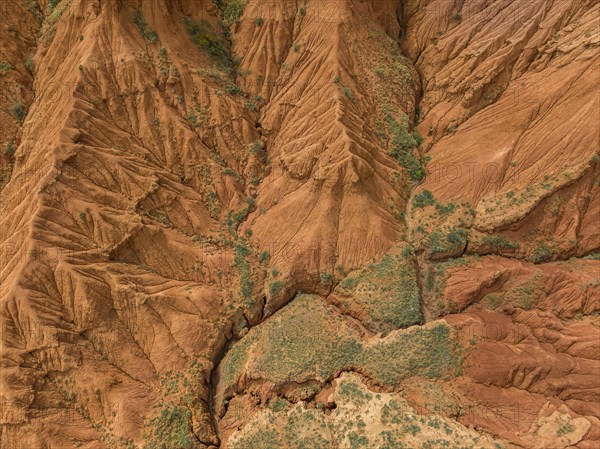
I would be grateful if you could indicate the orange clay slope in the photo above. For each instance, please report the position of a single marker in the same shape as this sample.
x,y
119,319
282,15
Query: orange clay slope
x,y
291,224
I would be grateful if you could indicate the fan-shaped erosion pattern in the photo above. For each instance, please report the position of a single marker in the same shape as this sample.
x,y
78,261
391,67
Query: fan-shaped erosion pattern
x,y
299,223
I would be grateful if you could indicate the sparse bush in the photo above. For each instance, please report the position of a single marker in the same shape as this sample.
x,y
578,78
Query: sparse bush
x,y
250,104
347,92
454,240
149,34
542,253
49,25
275,288
565,429
240,259
497,242
18,110
163,60
403,144
233,12
256,147
425,198
9,149
171,429
4,67
326,277
457,17
259,22
208,39
264,257
29,63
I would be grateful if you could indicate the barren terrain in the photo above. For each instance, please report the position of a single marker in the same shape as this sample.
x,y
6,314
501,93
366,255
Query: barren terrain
x,y
246,224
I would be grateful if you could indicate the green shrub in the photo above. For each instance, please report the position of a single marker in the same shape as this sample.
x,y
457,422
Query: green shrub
x,y
259,22
256,147
18,110
49,25
171,429
347,92
425,198
565,429
210,40
264,257
149,34
233,12
457,17
9,149
403,145
275,288
497,242
4,67
240,259
163,60
454,240
542,253
326,277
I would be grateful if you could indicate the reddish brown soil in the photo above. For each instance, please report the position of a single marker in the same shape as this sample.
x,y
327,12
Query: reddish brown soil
x,y
162,197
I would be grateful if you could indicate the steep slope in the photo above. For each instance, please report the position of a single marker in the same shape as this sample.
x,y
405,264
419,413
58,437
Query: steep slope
x,y
323,126
513,85
247,224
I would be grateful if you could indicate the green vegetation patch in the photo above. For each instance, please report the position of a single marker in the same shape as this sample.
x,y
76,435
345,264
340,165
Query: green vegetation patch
x,y
240,259
541,253
233,11
149,34
211,40
49,25
447,241
387,291
361,420
170,429
498,242
4,67
18,110
296,428
307,340
403,145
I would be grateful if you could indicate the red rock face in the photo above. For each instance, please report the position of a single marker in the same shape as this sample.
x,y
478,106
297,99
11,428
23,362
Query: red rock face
x,y
174,175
